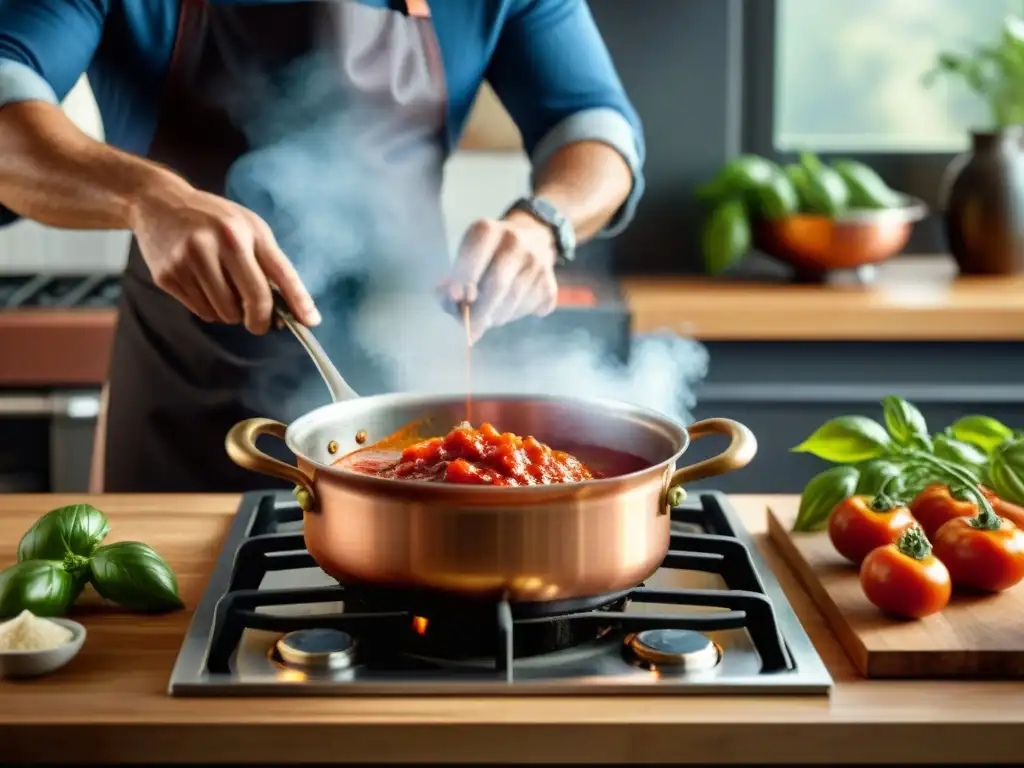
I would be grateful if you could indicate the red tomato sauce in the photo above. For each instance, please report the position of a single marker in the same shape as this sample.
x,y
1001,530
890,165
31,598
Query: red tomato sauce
x,y
481,456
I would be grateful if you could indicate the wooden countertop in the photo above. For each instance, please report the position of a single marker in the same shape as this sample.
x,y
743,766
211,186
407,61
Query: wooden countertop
x,y
110,704
914,299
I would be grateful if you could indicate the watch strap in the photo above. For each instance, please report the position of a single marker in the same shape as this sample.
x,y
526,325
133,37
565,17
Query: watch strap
x,y
561,227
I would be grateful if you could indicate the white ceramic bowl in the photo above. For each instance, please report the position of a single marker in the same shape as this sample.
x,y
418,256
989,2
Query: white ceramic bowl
x,y
36,663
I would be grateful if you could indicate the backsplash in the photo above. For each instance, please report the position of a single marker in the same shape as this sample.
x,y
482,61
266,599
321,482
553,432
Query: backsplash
x,y
477,184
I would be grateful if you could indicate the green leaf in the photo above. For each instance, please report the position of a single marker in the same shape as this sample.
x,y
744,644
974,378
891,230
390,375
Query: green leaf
x,y
133,575
822,493
982,431
1006,471
40,586
74,530
964,455
847,440
903,420
878,473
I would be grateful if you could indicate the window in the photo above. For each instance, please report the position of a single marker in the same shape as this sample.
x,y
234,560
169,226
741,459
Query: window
x,y
843,78
848,73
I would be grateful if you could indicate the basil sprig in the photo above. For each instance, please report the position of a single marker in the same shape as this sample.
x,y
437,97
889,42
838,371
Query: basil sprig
x,y
62,552
901,456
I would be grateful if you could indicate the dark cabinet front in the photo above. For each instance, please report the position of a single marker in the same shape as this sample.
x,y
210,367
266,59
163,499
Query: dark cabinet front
x,y
784,391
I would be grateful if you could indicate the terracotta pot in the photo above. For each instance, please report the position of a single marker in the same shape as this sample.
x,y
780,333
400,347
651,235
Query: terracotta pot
x,y
984,204
526,544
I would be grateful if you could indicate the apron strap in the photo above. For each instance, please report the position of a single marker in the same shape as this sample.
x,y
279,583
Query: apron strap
x,y
419,9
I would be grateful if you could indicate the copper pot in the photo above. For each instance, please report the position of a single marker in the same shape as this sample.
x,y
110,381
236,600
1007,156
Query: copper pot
x,y
524,544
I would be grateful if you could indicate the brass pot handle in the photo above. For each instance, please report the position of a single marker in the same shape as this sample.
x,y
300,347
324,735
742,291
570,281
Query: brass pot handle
x,y
741,451
240,444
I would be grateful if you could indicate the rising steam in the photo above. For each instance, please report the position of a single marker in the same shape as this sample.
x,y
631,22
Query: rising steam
x,y
344,191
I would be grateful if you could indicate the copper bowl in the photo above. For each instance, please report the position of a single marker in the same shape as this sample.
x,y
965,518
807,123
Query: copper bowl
x,y
854,239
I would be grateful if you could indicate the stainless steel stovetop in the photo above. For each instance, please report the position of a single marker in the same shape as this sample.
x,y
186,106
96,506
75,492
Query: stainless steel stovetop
x,y
713,619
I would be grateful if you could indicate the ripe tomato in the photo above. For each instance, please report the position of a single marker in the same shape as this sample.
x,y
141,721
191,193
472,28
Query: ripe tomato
x,y
905,579
935,506
987,560
1012,512
860,524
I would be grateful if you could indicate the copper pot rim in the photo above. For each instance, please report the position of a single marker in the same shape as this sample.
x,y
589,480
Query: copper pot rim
x,y
420,489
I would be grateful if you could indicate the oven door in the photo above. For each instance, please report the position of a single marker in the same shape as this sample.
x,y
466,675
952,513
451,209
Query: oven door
x,y
48,436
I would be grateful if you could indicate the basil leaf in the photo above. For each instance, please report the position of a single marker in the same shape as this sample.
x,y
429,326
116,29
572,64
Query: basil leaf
x,y
847,440
134,576
879,473
903,421
822,493
982,431
963,454
40,586
74,530
1006,471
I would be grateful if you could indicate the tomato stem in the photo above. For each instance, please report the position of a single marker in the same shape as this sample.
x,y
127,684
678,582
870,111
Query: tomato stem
x,y
986,519
883,502
914,543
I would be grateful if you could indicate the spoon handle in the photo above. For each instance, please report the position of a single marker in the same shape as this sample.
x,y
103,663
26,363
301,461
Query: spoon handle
x,y
339,388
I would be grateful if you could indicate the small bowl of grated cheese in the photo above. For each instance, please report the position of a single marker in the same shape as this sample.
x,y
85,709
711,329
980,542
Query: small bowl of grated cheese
x,y
31,646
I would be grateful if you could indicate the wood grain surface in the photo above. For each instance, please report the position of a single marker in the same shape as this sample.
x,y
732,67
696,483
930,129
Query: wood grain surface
x,y
110,704
915,299
975,636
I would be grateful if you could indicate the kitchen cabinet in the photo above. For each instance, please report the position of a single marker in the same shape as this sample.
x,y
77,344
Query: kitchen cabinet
x,y
784,391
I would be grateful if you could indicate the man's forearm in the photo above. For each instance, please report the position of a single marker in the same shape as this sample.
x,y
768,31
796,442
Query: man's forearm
x,y
588,182
53,173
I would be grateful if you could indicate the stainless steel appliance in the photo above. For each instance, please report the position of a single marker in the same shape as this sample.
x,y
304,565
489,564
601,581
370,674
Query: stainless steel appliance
x,y
713,619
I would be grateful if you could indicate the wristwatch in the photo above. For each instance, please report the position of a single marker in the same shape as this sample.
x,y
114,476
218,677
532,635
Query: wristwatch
x,y
561,227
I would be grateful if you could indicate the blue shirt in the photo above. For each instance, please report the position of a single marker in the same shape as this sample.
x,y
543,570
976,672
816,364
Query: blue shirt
x,y
544,58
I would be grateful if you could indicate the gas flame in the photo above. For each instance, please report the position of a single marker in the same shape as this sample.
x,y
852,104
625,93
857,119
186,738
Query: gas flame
x,y
419,625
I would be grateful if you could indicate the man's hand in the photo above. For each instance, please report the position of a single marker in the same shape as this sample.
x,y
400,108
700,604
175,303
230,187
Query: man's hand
x,y
217,258
505,270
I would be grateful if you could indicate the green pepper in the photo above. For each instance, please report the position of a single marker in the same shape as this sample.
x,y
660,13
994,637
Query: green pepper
x,y
739,176
777,198
867,188
726,237
824,191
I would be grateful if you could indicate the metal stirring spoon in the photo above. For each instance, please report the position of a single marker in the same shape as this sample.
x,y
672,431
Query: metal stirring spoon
x,y
339,388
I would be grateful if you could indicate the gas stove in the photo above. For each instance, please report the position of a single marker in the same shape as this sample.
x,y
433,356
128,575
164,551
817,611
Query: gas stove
x,y
713,619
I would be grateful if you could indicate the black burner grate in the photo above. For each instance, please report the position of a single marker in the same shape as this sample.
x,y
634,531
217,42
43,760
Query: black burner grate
x,y
390,614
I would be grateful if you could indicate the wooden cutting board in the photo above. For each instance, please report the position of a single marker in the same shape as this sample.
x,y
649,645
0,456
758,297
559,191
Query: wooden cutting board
x,y
975,636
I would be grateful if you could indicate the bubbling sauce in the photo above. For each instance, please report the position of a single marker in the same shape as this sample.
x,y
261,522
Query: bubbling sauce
x,y
483,456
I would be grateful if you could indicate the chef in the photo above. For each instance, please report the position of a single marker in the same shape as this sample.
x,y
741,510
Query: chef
x,y
211,107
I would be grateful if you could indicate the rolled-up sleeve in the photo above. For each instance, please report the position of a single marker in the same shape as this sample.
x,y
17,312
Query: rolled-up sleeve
x,y
45,46
552,71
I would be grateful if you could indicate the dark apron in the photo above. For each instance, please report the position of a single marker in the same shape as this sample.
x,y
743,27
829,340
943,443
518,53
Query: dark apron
x,y
327,119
